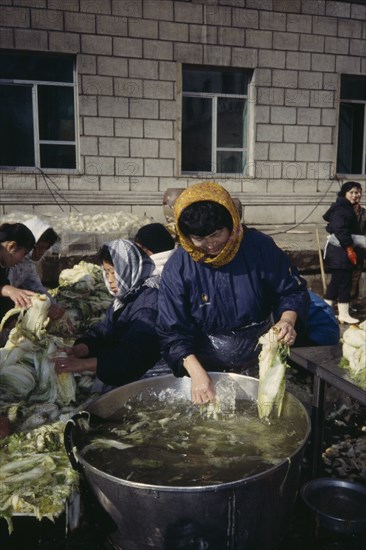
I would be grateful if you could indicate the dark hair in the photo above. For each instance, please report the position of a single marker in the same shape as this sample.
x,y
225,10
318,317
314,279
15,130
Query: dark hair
x,y
203,218
49,236
155,237
104,255
347,186
19,233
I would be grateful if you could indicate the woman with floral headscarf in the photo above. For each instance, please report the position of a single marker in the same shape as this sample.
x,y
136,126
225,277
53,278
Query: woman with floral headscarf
x,y
219,289
122,347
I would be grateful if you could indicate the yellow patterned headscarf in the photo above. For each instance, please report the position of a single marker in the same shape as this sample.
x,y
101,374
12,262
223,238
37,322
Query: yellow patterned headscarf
x,y
209,191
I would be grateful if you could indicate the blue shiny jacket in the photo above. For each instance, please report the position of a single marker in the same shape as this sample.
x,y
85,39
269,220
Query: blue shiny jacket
x,y
196,299
125,342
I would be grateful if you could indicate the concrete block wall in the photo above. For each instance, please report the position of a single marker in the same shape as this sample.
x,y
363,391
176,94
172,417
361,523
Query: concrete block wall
x,y
128,56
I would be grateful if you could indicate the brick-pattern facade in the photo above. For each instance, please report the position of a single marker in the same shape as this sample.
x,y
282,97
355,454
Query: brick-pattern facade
x,y
128,59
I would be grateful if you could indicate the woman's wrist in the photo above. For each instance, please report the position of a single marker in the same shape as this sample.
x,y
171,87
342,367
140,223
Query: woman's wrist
x,y
90,364
5,291
187,361
289,317
288,321
191,363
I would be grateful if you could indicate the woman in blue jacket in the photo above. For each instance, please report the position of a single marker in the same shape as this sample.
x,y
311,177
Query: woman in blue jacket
x,y
122,347
219,289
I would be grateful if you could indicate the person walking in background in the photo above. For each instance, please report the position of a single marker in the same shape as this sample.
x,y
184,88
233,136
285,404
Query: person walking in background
x,y
340,254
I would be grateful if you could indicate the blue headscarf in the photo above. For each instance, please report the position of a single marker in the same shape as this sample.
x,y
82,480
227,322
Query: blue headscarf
x,y
132,269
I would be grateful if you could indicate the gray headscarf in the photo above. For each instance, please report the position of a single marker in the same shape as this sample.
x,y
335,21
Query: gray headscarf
x,y
132,269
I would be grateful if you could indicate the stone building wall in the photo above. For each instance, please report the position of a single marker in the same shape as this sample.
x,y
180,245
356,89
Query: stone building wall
x,y
129,54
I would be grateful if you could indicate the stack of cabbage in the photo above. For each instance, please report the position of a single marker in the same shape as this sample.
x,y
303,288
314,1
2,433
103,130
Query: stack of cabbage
x,y
272,374
26,367
84,296
354,353
125,224
35,475
84,232
27,376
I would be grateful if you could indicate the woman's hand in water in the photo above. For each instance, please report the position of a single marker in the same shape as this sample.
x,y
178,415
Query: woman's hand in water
x,y
203,389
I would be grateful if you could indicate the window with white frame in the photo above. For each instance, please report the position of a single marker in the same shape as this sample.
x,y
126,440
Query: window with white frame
x,y
351,158
37,111
215,120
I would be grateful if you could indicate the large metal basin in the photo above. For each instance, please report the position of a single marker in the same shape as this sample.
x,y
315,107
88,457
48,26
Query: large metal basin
x,y
251,513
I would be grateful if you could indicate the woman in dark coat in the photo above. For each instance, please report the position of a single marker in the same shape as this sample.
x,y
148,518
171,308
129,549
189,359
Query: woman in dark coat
x,y
219,289
16,240
360,212
122,347
340,253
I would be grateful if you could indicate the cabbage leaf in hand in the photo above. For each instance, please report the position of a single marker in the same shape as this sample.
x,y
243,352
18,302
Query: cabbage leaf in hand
x,y
272,374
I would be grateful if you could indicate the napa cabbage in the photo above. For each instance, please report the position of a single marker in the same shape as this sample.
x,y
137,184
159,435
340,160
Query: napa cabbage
x,y
272,374
83,295
26,365
354,353
36,477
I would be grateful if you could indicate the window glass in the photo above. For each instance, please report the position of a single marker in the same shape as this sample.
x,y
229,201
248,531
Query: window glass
x,y
351,155
350,139
204,80
230,121
353,87
214,119
46,68
34,111
16,128
197,132
230,162
56,113
57,156
245,126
